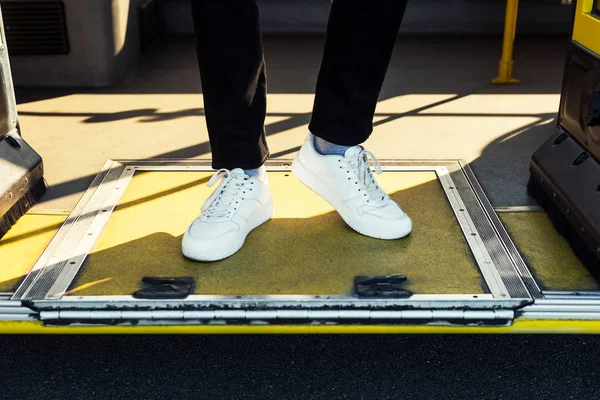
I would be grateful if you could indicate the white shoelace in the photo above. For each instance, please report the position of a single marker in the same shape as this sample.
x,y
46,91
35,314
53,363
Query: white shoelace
x,y
360,165
227,197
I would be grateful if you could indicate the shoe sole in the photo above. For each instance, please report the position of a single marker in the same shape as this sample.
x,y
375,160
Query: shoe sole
x,y
261,216
316,184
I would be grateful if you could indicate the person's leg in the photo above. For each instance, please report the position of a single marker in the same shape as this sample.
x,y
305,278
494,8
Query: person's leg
x,y
232,70
358,48
360,40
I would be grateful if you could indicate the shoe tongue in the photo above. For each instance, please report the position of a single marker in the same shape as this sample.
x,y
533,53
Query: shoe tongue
x,y
353,151
238,171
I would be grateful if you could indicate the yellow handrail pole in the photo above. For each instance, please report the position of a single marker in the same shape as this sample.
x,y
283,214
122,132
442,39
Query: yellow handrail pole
x,y
505,70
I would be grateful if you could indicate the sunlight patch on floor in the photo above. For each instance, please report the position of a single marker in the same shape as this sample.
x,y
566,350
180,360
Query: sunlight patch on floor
x,y
23,244
490,104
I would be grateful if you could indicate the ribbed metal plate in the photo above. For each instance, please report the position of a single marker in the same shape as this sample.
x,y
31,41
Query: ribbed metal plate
x,y
62,256
518,264
500,258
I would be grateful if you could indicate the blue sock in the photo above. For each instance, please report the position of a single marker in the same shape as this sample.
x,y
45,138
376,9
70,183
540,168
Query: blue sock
x,y
258,173
327,148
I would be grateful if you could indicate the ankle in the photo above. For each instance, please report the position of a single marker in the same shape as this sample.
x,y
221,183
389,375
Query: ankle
x,y
326,148
259,173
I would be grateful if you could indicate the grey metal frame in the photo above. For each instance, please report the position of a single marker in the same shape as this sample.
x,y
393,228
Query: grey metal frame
x,y
45,285
563,308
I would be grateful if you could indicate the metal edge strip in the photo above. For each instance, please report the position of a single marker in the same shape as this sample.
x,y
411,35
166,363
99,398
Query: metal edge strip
x,y
291,298
562,309
63,257
93,233
468,226
271,167
511,249
64,230
275,302
571,294
206,163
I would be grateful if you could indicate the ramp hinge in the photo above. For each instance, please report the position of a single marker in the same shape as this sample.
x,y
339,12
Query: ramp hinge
x,y
276,315
11,310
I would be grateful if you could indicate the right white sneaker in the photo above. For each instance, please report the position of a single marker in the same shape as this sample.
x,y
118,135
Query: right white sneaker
x,y
347,183
238,205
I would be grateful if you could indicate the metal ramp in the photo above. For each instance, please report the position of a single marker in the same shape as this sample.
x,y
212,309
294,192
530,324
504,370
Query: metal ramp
x,y
295,270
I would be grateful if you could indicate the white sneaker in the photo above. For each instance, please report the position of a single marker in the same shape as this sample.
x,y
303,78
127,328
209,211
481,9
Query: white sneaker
x,y
347,183
240,204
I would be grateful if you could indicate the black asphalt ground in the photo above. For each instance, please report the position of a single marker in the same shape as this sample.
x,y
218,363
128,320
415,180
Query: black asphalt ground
x,y
300,367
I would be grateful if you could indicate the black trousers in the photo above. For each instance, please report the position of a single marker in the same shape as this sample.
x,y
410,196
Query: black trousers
x,y
360,39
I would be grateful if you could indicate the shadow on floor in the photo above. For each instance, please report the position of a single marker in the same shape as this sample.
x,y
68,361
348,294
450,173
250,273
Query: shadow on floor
x,y
418,66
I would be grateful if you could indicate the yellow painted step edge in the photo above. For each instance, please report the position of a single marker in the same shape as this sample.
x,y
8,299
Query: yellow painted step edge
x,y
519,327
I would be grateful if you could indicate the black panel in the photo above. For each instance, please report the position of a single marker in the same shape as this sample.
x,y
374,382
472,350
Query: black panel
x,y
21,180
565,171
35,28
566,182
580,101
596,8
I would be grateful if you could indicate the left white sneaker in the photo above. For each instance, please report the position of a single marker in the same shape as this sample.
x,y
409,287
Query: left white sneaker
x,y
347,183
239,205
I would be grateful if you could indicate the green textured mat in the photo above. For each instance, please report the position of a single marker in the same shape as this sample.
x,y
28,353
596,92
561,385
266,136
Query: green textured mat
x,y
305,249
548,254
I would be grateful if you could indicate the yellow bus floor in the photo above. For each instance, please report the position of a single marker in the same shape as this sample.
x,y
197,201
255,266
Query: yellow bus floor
x,y
23,244
547,254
